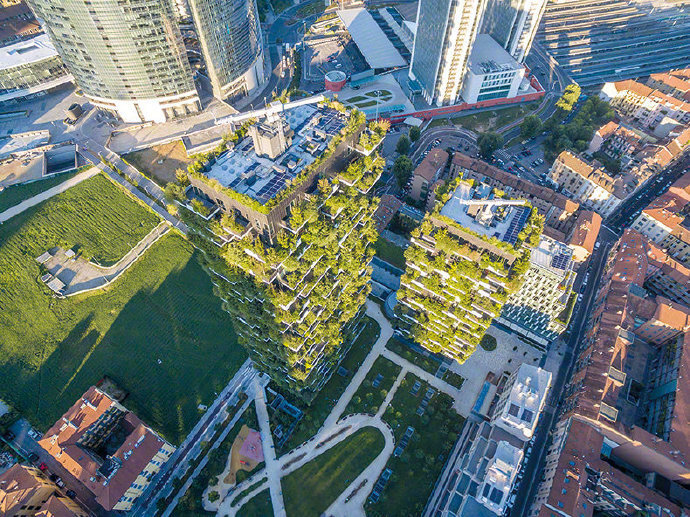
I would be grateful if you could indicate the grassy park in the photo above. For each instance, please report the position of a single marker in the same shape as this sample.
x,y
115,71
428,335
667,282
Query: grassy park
x,y
154,331
15,194
391,253
258,506
426,363
368,398
489,120
311,489
416,470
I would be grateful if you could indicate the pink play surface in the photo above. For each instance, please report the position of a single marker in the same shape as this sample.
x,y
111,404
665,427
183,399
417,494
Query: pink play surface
x,y
251,448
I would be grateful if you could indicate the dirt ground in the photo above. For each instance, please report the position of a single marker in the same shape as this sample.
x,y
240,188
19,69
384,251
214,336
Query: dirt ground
x,y
161,161
237,460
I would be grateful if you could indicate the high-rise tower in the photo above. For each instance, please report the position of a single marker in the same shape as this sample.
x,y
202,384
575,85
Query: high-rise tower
x,y
447,31
230,37
513,24
126,55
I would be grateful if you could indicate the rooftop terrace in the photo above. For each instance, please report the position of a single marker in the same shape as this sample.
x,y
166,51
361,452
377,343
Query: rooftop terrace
x,y
478,210
261,178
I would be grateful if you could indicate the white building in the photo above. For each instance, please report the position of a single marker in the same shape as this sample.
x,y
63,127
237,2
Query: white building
x,y
492,73
500,475
522,400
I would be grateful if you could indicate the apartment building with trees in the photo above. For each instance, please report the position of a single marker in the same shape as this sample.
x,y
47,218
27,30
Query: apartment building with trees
x,y
288,239
468,256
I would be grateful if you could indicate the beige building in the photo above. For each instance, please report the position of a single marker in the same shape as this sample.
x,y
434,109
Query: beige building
x,y
271,138
26,492
427,173
587,184
106,449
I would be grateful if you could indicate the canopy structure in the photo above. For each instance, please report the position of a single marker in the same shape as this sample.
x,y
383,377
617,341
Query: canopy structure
x,y
372,42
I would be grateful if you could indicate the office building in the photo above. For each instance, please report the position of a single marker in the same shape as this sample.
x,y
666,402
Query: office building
x,y
128,56
26,492
29,67
465,260
482,469
230,37
472,50
294,267
492,73
538,310
513,24
101,446
446,31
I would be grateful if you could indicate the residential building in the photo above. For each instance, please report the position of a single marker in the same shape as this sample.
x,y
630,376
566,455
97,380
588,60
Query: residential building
x,y
666,222
128,56
513,24
584,235
290,245
620,141
675,83
446,31
492,73
106,449
429,171
621,445
481,471
588,184
522,401
540,309
465,260
558,211
386,210
230,37
644,105
29,67
26,492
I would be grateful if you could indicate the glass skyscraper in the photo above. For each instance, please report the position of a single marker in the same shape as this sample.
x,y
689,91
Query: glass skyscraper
x,y
126,55
230,37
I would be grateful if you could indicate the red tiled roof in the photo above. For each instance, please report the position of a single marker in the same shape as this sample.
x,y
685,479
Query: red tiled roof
x,y
586,230
431,164
60,441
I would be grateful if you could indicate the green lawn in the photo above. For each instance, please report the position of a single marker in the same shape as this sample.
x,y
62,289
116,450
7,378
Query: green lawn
x,y
390,252
320,408
163,308
311,489
489,120
15,194
454,379
404,351
416,470
368,399
259,506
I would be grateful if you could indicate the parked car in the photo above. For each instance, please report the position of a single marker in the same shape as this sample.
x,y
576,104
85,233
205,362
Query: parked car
x,y
34,434
33,457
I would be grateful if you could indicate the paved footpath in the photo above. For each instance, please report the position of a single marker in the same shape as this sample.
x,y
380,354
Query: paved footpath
x,y
39,198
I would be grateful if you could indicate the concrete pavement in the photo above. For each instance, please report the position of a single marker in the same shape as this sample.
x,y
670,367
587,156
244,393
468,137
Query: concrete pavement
x,y
272,469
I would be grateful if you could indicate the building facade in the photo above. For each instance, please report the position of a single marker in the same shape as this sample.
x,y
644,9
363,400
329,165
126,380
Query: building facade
x,y
26,492
538,309
427,173
230,37
513,24
457,276
446,31
127,56
587,184
29,67
290,253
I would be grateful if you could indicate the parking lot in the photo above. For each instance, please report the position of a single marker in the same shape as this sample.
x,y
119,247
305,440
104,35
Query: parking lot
x,y
336,53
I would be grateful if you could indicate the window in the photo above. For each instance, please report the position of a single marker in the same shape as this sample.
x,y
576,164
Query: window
x,y
513,410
